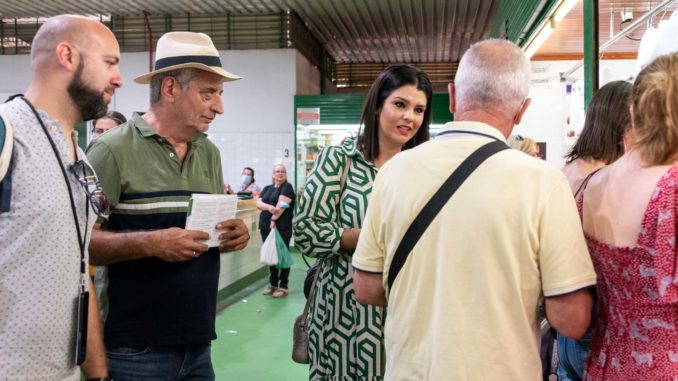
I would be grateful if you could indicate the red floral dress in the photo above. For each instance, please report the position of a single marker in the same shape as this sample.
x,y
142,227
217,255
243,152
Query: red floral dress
x,y
636,334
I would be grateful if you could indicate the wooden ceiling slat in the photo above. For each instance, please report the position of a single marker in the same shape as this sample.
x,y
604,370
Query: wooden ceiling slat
x,y
567,38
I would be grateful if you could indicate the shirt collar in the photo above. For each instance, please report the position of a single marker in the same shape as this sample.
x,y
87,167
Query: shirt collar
x,y
471,126
53,127
147,131
350,146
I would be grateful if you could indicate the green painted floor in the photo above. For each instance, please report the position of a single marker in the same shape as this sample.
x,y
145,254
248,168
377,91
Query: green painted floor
x,y
255,333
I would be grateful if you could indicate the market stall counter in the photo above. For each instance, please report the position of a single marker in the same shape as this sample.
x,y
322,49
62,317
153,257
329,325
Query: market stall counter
x,y
241,268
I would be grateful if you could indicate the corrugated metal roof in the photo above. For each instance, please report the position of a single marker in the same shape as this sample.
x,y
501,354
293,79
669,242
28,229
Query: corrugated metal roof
x,y
351,31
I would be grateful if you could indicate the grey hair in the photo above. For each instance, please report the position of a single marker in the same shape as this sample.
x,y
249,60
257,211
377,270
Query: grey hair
x,y
183,76
492,74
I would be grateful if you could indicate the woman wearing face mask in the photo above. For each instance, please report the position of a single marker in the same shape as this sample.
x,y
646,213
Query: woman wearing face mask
x,y
248,184
346,338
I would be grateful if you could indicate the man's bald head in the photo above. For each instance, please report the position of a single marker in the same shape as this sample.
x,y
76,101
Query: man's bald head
x,y
75,65
492,74
75,30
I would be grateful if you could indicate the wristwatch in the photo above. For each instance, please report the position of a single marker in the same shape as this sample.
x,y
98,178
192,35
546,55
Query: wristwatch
x,y
107,378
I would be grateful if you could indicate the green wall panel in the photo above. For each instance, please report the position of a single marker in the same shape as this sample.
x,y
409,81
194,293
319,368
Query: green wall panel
x,y
346,108
522,16
334,109
440,108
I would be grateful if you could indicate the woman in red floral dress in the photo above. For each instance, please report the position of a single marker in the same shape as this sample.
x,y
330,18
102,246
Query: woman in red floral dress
x,y
629,214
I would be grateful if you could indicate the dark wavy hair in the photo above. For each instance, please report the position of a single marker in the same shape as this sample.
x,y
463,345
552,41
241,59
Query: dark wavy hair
x,y
607,119
115,116
391,79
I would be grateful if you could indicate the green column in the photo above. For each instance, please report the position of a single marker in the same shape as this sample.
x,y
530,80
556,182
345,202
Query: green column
x,y
590,49
168,23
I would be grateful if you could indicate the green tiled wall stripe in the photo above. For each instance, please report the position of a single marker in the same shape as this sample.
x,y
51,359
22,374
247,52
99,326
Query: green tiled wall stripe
x,y
523,17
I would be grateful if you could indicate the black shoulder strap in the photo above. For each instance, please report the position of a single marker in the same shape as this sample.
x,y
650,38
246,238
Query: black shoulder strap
x,y
436,203
6,180
2,134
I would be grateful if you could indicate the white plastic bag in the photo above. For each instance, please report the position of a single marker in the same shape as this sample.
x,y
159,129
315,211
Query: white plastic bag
x,y
269,253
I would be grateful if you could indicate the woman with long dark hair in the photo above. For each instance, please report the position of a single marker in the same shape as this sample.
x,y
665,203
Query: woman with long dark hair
x,y
603,140
346,338
606,133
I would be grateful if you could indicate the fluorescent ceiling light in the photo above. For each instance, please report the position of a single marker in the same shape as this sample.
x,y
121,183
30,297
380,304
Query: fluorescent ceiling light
x,y
538,40
557,15
563,9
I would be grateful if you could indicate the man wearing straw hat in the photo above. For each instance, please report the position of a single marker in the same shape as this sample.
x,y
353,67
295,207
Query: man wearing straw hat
x,y
163,279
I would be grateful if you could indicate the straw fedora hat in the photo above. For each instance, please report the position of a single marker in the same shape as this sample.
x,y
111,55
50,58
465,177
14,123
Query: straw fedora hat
x,y
178,50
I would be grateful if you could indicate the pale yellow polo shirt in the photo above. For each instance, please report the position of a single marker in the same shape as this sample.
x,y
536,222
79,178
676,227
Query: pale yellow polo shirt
x,y
464,306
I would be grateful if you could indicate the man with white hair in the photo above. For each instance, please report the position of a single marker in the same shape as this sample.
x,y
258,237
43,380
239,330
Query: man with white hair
x,y
464,304
163,278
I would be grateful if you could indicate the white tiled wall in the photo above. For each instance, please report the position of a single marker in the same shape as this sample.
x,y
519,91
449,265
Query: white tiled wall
x,y
258,150
258,122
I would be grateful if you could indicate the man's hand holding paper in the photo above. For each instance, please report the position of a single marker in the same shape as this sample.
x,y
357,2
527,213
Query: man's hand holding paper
x,y
215,215
235,237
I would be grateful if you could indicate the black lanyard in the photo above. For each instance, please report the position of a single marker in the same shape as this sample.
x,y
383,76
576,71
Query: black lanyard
x,y
81,241
466,132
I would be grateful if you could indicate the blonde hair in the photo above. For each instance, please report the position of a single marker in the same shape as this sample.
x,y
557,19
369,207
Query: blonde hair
x,y
274,168
522,143
655,109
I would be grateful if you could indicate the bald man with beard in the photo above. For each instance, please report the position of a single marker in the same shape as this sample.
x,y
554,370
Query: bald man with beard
x,y
45,232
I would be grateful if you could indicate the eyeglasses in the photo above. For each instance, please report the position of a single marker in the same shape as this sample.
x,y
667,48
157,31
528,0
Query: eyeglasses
x,y
90,183
519,137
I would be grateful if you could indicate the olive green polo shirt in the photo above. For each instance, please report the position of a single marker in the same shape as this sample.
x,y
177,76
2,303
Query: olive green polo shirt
x,y
153,302
141,172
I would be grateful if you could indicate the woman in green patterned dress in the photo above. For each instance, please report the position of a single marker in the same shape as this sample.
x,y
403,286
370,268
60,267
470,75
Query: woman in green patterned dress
x,y
345,337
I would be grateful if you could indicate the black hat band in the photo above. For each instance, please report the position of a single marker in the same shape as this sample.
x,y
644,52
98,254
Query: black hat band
x,y
179,60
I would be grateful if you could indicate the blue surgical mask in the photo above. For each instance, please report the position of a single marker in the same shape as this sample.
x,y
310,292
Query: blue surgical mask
x,y
246,179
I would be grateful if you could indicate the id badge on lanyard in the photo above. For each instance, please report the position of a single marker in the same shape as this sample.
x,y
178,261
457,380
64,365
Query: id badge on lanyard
x,y
81,325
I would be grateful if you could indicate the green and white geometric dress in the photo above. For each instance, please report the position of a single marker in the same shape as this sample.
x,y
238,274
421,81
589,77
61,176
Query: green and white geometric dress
x,y
345,337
